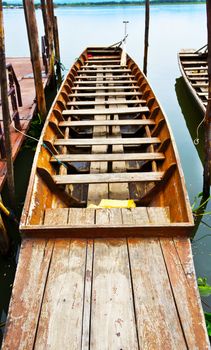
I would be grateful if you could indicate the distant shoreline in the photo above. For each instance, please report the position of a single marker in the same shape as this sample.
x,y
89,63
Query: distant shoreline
x,y
109,3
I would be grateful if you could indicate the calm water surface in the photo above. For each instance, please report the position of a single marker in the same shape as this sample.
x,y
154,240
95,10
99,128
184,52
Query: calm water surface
x,y
172,27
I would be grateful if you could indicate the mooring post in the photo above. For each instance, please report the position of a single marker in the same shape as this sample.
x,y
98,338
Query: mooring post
x,y
49,14
32,30
207,123
146,36
57,49
6,113
45,21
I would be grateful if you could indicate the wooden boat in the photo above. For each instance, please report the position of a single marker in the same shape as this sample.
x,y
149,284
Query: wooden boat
x,y
106,137
193,66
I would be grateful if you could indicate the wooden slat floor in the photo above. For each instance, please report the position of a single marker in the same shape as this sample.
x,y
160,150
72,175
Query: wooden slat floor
x,y
105,294
23,70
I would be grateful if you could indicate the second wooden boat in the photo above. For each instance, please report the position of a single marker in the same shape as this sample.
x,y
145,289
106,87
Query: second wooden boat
x,y
106,137
193,66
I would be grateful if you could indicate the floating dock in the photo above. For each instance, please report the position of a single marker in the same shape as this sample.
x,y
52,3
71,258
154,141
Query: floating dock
x,y
23,71
106,278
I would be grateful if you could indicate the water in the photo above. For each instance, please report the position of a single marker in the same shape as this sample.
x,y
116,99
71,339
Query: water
x,y
172,27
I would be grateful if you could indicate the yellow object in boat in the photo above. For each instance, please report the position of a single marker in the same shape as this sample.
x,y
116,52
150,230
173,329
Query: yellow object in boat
x,y
114,203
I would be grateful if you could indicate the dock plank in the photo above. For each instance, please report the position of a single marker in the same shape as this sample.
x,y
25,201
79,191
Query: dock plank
x,y
112,315
68,264
158,323
179,263
26,302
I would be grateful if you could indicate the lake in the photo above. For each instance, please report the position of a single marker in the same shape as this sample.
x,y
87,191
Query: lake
x,y
172,27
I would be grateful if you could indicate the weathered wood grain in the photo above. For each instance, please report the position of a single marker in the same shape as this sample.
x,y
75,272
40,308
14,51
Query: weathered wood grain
x,y
158,323
28,290
108,178
180,267
106,111
112,315
60,322
107,141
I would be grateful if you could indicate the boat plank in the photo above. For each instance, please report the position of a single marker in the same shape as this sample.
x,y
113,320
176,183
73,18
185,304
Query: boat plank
x,y
84,216
104,94
114,77
95,103
107,178
120,70
112,314
158,324
106,82
107,157
101,66
107,141
117,87
114,122
107,111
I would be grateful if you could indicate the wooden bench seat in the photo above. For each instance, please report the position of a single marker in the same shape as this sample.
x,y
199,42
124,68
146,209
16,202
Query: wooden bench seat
x,y
108,178
124,122
108,157
116,87
105,94
107,111
107,141
105,103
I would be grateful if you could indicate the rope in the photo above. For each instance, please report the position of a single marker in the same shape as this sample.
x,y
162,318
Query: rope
x,y
43,144
119,43
196,140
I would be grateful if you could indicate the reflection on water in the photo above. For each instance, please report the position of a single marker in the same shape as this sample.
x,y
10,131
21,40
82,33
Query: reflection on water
x,y
192,114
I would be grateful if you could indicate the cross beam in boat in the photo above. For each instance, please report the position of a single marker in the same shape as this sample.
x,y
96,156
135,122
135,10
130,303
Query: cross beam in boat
x,y
107,141
105,157
120,70
106,122
101,66
106,78
107,178
107,103
106,111
103,94
114,82
105,87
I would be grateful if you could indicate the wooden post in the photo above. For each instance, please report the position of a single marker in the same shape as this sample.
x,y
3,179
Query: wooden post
x,y
49,13
32,30
57,49
6,113
146,36
207,124
45,21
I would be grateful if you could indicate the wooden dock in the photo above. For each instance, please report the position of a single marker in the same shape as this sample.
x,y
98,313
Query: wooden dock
x,y
134,293
23,70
